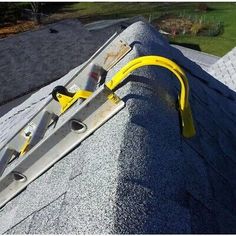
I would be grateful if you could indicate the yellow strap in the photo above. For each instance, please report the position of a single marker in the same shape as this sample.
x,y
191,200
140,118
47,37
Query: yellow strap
x,y
185,110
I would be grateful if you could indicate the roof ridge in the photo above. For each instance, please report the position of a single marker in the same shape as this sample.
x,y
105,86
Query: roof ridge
x,y
136,173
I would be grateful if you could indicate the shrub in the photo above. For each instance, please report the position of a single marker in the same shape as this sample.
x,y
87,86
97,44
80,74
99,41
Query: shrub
x,y
188,24
9,12
202,7
214,29
196,28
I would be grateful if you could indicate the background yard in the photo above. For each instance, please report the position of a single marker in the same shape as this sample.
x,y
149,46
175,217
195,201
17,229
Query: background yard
x,y
218,12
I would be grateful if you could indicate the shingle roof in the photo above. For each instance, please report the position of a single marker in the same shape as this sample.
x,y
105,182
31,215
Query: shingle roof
x,y
203,59
137,174
34,59
225,69
102,24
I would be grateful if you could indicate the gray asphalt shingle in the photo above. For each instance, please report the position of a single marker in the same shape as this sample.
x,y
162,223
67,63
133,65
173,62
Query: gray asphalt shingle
x,y
201,58
34,59
137,174
225,69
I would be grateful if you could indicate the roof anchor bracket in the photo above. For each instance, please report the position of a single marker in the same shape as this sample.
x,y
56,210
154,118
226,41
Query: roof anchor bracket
x,y
188,129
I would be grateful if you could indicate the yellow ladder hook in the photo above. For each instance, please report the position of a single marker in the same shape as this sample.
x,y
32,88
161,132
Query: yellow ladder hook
x,y
188,129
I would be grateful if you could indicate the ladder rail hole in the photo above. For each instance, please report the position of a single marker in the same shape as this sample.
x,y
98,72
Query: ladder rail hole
x,y
19,177
77,126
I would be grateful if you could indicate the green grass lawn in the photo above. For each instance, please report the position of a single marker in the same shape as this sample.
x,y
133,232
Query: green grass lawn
x,y
219,45
221,11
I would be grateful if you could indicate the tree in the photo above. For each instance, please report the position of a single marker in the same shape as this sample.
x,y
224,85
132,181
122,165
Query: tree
x,y
9,12
36,8
3,10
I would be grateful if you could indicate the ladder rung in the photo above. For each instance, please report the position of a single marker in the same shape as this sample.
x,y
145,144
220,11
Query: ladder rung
x,y
41,128
5,157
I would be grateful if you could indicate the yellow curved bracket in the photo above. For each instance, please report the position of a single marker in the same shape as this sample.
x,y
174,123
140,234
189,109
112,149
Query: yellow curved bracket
x,y
66,101
188,129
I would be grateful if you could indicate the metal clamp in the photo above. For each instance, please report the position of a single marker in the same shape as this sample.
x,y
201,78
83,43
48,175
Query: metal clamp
x,y
66,101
